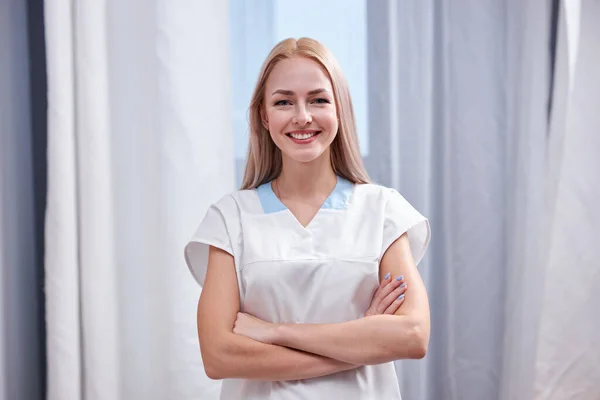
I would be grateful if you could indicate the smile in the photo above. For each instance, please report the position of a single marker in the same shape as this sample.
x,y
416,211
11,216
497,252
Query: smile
x,y
302,135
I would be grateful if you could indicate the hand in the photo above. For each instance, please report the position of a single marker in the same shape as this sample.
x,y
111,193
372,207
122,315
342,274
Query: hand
x,y
388,297
254,328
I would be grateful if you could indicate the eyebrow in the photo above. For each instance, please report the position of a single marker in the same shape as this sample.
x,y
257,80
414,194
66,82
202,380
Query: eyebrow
x,y
291,93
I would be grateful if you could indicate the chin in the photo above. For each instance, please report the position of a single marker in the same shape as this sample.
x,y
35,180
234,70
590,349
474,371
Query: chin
x,y
305,156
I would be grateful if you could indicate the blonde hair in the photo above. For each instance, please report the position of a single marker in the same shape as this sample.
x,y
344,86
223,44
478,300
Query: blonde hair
x,y
264,160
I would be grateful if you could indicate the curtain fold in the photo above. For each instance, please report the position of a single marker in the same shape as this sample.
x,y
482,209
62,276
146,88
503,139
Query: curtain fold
x,y
62,278
21,353
81,281
469,95
509,190
139,144
568,344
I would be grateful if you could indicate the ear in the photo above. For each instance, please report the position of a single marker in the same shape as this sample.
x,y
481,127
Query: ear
x,y
263,118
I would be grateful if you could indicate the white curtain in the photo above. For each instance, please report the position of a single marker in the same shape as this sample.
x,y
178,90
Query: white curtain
x,y
568,345
139,123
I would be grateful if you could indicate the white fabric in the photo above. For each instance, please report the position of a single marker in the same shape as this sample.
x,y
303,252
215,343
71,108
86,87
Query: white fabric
x,y
138,126
568,346
325,272
81,297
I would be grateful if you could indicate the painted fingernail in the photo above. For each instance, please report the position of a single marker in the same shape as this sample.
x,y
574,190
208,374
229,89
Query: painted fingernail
x,y
401,296
403,285
387,276
400,278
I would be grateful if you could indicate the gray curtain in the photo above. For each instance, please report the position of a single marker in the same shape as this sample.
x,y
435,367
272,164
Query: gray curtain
x,y
462,123
22,186
459,125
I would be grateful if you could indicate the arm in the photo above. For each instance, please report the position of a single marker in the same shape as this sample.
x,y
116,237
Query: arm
x,y
227,355
373,339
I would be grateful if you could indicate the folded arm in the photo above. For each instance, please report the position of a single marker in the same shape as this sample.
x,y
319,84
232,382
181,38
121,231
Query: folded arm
x,y
228,355
373,339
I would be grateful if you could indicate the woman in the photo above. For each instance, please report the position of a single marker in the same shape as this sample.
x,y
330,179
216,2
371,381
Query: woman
x,y
292,306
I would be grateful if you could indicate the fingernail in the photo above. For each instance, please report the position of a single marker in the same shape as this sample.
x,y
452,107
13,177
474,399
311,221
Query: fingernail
x,y
401,296
387,276
400,278
403,284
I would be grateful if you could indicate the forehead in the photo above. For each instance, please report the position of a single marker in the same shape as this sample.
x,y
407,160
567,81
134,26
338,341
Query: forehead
x,y
298,74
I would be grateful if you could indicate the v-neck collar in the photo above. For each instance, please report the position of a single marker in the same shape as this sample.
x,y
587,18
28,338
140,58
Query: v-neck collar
x,y
337,200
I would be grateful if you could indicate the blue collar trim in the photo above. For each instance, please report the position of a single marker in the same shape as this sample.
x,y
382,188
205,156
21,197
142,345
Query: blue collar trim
x,y
337,200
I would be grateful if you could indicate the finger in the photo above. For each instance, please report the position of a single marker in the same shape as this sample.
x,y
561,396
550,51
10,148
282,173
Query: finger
x,y
390,298
395,305
383,283
385,291
377,296
388,284
386,279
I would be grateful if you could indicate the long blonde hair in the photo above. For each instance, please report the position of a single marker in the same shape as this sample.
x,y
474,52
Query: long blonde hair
x,y
264,160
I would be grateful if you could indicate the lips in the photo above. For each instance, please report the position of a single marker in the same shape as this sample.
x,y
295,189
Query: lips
x,y
303,137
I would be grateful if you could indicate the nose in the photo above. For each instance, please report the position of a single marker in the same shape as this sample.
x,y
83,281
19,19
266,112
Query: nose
x,y
302,116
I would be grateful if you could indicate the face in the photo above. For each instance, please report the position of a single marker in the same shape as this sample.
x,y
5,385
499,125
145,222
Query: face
x,y
299,109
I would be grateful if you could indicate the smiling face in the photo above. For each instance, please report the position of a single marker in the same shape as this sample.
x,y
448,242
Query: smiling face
x,y
299,109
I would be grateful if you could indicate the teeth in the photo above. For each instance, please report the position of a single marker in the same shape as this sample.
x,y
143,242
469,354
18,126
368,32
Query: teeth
x,y
302,136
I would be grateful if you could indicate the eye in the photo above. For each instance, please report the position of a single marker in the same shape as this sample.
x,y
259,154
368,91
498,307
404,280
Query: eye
x,y
322,101
282,103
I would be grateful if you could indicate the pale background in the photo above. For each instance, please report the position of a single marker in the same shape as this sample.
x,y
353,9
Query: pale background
x,y
122,121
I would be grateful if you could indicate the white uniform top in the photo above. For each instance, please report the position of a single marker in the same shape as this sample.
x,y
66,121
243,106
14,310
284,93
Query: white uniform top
x,y
325,272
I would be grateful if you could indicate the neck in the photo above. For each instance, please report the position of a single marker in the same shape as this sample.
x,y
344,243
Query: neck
x,y
303,179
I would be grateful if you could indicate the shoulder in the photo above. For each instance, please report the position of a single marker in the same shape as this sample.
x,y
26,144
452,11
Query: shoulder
x,y
399,217
236,202
374,194
394,204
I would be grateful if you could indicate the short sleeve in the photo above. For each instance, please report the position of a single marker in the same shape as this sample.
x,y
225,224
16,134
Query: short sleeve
x,y
401,217
213,231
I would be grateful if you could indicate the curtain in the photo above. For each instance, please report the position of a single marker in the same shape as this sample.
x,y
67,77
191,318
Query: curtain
x,y
568,346
469,116
138,123
465,135
473,127
21,353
